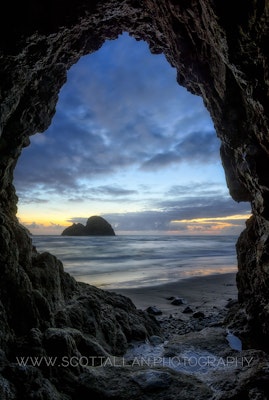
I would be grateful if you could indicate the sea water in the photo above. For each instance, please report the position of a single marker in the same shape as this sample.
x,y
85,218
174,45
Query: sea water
x,y
138,261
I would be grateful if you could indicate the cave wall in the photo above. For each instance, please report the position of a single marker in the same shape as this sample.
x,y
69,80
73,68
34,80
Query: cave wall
x,y
220,54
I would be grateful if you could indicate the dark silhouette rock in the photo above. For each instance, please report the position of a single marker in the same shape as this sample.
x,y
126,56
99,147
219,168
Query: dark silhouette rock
x,y
99,226
220,51
95,226
74,230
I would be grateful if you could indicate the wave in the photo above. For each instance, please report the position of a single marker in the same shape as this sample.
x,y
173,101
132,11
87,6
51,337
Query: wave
x,y
135,261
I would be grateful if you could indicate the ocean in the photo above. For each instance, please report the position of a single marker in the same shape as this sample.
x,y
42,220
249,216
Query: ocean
x,y
116,262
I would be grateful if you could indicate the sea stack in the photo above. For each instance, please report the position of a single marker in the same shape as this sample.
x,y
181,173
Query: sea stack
x,y
95,226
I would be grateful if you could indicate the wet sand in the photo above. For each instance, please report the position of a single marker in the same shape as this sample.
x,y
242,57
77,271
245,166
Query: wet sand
x,y
201,293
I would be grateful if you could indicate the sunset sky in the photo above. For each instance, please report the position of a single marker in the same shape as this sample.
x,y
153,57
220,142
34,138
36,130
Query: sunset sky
x,y
129,144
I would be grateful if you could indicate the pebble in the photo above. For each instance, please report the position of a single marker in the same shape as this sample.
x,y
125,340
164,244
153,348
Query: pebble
x,y
199,314
231,303
178,301
155,340
154,310
187,310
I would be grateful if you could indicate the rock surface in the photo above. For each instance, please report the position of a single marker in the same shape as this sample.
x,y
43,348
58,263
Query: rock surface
x,y
221,53
95,226
204,355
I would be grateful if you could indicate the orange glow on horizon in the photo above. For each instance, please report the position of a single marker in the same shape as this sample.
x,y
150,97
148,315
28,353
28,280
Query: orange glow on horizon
x,y
237,217
42,221
41,225
212,225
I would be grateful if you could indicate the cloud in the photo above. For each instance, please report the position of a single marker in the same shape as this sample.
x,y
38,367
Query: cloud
x,y
197,189
184,204
116,119
181,210
76,199
113,115
29,199
113,191
199,147
37,226
105,193
76,220
196,147
161,160
33,225
202,207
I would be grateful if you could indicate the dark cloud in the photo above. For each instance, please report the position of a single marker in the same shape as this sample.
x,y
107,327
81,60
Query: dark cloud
x,y
196,147
28,199
108,193
192,121
161,160
203,207
181,209
199,147
111,116
197,189
113,191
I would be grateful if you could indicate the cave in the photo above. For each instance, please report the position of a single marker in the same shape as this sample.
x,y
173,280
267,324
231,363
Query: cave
x,y
220,54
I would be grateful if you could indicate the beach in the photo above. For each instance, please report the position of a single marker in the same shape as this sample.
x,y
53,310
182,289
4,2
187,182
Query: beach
x,y
201,293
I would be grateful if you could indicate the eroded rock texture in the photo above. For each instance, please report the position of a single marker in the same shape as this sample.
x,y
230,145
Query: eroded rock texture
x,y
221,53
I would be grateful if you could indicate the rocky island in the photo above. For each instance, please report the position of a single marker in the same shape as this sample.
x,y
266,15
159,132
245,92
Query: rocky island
x,y
95,226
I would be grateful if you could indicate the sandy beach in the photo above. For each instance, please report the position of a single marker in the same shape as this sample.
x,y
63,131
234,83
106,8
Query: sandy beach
x,y
202,293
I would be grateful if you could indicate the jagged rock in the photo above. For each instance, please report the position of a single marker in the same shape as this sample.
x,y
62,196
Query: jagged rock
x,y
132,383
58,342
221,53
95,226
31,383
109,317
7,390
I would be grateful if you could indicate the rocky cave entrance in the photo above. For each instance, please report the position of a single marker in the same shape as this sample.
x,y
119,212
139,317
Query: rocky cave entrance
x,y
122,113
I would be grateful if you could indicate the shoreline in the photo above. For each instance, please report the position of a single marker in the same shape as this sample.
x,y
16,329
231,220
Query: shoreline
x,y
203,293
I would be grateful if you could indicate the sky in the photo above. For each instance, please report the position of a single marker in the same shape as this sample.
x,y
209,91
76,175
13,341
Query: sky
x,y
129,144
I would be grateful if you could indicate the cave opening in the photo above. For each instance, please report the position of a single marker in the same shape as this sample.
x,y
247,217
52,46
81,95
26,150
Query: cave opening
x,y
130,144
